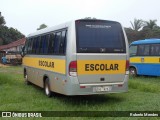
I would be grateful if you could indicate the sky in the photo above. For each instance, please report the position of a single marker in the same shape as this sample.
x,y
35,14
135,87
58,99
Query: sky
x,y
27,15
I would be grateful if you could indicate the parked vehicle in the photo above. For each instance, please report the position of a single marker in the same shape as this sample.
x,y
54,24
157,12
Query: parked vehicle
x,y
79,57
145,57
4,60
14,58
2,57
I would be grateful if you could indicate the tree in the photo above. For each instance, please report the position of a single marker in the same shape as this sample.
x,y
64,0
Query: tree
x,y
9,35
1,41
132,35
2,21
137,24
42,26
151,24
88,18
146,33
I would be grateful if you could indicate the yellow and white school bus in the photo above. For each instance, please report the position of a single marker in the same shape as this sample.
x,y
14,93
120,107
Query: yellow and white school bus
x,y
80,57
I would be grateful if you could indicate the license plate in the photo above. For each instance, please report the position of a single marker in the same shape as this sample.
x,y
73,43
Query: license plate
x,y
102,89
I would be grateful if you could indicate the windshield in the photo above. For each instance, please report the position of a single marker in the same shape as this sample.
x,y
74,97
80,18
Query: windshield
x,y
95,36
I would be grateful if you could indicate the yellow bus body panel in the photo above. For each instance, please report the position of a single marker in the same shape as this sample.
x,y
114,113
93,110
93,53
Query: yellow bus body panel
x,y
103,67
54,65
146,60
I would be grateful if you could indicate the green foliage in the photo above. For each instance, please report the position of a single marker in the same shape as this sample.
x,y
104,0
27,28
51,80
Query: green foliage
x,y
137,24
90,18
143,34
9,35
42,26
151,24
1,41
143,95
149,29
2,20
140,30
145,84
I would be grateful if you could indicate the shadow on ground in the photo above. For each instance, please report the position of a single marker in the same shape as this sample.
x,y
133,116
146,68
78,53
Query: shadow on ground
x,y
89,99
85,99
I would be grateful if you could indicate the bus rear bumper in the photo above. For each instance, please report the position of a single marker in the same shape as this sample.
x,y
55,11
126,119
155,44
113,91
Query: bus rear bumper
x,y
105,88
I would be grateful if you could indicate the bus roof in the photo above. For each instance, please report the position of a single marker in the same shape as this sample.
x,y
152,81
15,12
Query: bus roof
x,y
45,30
146,41
63,25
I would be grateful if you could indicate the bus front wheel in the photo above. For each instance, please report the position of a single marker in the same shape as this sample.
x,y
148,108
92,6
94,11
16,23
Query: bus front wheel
x,y
133,72
47,88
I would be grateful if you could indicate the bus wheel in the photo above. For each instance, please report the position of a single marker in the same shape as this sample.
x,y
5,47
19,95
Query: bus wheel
x,y
133,72
47,88
26,79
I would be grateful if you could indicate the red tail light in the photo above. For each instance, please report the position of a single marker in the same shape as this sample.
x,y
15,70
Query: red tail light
x,y
73,68
127,65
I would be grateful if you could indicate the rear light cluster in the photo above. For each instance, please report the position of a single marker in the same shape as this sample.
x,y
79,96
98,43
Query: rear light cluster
x,y
73,68
127,65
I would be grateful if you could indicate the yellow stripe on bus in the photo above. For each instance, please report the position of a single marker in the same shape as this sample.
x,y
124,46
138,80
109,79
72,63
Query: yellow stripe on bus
x,y
55,65
101,67
145,60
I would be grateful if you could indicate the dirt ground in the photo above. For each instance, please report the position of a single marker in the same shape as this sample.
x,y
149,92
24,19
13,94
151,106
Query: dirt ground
x,y
2,65
8,68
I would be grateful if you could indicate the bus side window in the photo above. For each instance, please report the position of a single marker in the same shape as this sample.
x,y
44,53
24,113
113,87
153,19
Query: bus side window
x,y
32,43
143,50
26,46
57,43
45,44
34,46
133,50
51,43
37,45
43,47
63,43
155,49
30,46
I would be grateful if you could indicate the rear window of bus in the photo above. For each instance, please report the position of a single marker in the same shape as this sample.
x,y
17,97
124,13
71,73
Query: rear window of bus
x,y
99,36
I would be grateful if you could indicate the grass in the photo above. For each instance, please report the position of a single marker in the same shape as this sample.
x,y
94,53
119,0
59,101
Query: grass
x,y
143,95
145,84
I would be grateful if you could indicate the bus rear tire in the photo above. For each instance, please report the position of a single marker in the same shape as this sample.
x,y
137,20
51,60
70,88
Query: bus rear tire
x,y
132,71
47,88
